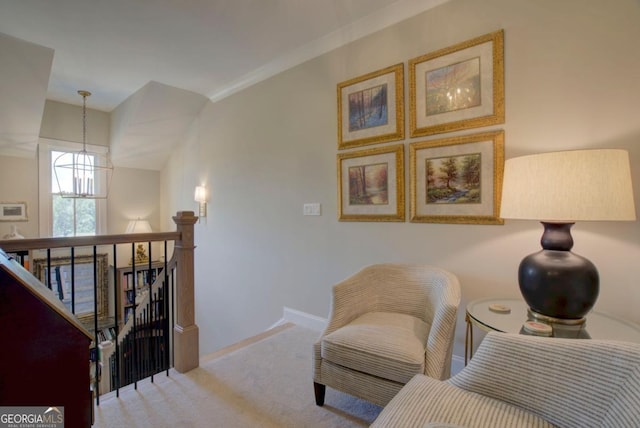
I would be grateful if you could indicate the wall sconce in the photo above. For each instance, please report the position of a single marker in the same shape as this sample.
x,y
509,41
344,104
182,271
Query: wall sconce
x,y
200,197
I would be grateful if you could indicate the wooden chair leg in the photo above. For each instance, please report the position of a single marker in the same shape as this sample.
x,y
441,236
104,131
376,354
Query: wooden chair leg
x,y
319,390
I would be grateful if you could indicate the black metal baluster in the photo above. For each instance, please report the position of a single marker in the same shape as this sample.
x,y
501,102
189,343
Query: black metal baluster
x,y
95,314
146,342
48,276
73,280
150,278
165,312
116,298
134,329
173,313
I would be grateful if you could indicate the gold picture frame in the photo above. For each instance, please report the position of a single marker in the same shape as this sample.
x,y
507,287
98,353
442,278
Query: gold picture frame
x,y
458,87
371,184
458,179
83,278
371,108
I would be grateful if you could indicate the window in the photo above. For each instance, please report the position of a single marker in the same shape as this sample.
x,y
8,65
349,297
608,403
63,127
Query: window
x,y
65,216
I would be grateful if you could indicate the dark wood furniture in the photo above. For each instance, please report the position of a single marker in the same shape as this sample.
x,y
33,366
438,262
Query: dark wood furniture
x,y
45,357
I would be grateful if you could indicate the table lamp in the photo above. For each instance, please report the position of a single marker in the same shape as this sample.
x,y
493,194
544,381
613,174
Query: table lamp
x,y
558,189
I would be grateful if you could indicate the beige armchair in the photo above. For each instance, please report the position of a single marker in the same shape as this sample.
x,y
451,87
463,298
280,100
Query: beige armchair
x,y
388,322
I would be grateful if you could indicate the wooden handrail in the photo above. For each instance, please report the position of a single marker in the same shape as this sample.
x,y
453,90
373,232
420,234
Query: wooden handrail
x,y
12,245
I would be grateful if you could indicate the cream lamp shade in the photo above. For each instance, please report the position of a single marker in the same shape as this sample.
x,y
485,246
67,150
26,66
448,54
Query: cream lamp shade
x,y
580,185
558,189
200,196
138,226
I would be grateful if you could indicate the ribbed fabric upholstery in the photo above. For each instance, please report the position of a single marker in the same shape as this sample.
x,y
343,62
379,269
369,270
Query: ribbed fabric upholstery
x,y
373,389
565,382
425,400
383,344
624,410
398,320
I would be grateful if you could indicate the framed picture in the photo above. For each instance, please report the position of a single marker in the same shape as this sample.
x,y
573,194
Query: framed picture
x,y
459,87
371,184
371,108
13,211
59,281
457,180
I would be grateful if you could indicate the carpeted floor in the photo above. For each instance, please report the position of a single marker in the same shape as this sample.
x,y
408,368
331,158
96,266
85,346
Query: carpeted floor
x,y
267,383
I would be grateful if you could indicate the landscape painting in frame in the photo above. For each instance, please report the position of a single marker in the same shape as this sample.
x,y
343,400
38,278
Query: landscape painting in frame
x,y
453,87
458,179
459,87
371,184
454,179
371,108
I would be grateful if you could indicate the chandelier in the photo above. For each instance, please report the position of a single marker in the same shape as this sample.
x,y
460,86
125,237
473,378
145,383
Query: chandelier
x,y
83,174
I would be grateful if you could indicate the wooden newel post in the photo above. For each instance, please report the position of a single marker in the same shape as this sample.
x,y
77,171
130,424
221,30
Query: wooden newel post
x,y
186,341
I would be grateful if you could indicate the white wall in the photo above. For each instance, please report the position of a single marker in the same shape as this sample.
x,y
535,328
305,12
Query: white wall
x,y
135,194
571,82
62,121
19,183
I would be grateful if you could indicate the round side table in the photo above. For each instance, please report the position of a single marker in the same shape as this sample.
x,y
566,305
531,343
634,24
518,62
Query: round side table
x,y
509,315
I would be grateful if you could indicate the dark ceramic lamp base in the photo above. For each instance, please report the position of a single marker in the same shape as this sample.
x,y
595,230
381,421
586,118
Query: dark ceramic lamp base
x,y
556,283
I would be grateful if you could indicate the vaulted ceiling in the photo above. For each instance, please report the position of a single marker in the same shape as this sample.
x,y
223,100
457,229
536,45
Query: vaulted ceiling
x,y
153,64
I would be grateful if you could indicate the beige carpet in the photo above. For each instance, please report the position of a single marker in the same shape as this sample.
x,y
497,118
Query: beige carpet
x,y
261,383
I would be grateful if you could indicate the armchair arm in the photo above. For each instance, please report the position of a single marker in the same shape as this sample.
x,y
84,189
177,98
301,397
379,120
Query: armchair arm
x,y
568,382
443,327
351,298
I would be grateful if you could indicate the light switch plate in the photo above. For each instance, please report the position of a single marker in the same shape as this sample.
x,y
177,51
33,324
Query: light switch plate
x,y
311,209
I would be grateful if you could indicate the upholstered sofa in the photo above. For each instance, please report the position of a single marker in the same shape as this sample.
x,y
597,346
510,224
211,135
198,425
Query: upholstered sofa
x,y
525,381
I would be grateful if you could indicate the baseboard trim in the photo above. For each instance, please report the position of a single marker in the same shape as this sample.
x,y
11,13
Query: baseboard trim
x,y
245,342
304,319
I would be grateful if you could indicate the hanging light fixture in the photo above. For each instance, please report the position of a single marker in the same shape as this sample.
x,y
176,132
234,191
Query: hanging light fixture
x,y
83,174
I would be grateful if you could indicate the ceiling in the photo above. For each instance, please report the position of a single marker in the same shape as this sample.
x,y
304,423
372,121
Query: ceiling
x,y
133,56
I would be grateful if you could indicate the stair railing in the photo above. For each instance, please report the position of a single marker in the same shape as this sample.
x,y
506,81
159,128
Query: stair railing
x,y
185,333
